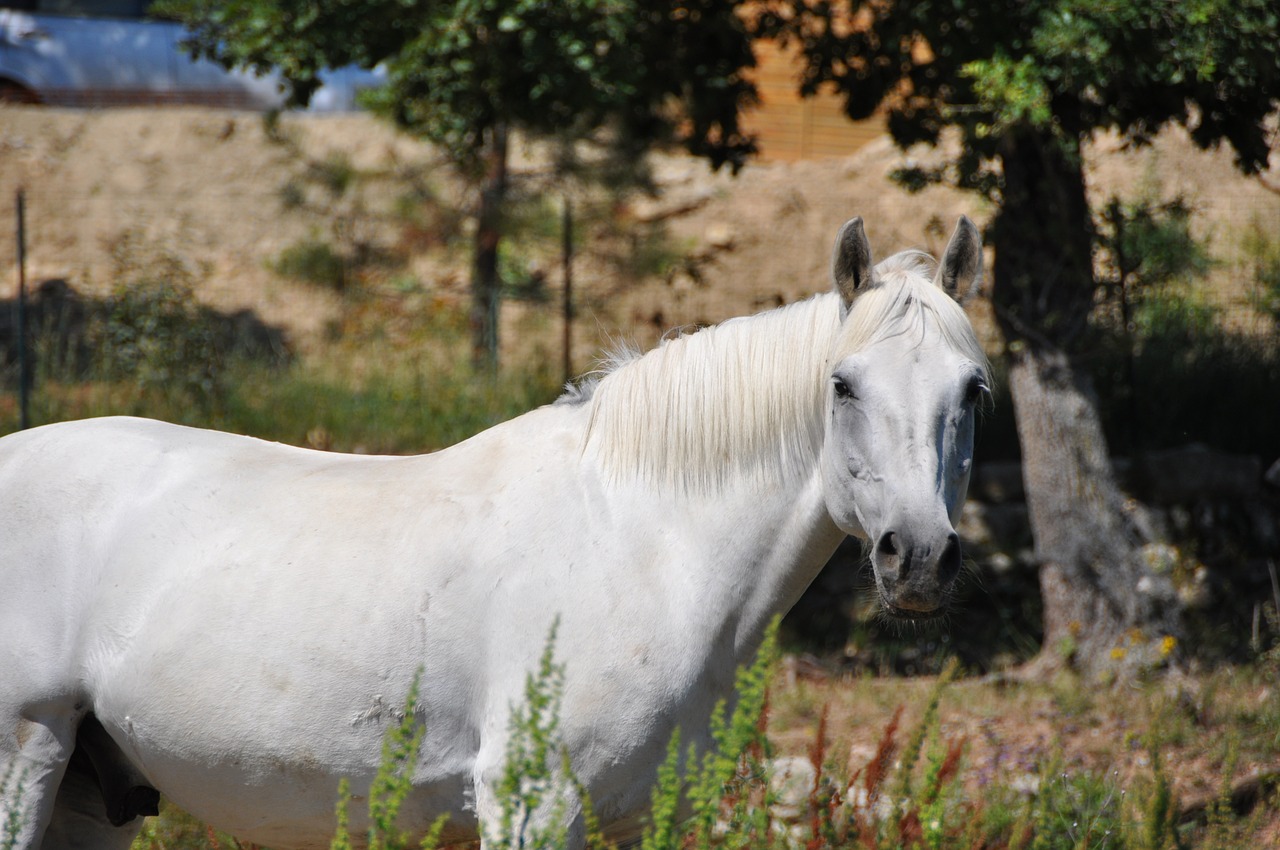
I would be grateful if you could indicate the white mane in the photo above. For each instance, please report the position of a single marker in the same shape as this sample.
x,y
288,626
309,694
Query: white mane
x,y
746,397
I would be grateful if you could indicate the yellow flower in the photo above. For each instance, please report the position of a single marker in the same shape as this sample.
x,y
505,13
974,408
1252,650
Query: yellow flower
x,y
1117,653
1167,645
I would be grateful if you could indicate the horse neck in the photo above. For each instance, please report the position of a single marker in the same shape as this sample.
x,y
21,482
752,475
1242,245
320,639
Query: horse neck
x,y
741,401
725,428
772,547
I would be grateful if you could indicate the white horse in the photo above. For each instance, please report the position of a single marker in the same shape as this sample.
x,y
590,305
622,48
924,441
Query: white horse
x,y
234,622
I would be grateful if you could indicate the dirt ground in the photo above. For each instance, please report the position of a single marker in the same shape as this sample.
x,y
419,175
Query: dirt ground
x,y
209,185
1012,730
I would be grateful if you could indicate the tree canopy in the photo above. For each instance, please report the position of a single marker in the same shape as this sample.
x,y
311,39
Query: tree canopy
x,y
1024,85
1062,66
652,72
465,73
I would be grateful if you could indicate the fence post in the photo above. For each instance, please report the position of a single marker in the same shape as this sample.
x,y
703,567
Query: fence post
x,y
24,356
566,226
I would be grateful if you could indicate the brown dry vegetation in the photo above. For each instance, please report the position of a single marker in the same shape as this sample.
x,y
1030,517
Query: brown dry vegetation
x,y
209,186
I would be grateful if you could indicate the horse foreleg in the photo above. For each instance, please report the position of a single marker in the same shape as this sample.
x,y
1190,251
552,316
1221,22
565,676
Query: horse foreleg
x,y
557,812
124,792
80,815
67,790
34,753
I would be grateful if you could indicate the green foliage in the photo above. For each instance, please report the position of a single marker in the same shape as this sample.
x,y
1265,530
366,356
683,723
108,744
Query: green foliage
x,y
457,69
899,799
11,818
1182,355
531,224
1148,244
396,408
155,334
663,832
1262,251
1158,828
1149,259
363,392
1072,810
148,347
729,782
391,785
154,337
534,794
332,192
313,261
915,793
1012,92
466,74
1024,87
334,174
1060,67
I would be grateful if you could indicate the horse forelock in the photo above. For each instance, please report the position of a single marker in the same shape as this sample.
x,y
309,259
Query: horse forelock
x,y
904,299
740,398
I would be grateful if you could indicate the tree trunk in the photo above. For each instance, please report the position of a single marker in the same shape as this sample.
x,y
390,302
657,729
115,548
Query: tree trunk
x,y
1105,611
486,284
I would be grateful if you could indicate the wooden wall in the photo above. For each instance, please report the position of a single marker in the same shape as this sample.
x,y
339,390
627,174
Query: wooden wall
x,y
793,128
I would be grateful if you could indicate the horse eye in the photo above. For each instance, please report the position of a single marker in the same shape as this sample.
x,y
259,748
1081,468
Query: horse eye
x,y
842,389
976,389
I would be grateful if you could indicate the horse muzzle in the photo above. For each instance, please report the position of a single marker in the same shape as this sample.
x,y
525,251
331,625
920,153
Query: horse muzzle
x,y
915,576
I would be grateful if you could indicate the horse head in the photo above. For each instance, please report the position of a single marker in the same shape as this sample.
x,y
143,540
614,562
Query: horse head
x,y
905,379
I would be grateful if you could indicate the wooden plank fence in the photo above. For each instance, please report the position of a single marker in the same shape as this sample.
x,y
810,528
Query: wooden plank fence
x,y
792,128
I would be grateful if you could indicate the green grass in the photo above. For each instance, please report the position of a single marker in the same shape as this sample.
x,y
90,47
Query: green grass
x,y
399,411
371,390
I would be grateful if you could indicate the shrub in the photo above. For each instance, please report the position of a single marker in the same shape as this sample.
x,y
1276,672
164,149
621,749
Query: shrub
x,y
391,785
154,334
10,817
1163,349
313,261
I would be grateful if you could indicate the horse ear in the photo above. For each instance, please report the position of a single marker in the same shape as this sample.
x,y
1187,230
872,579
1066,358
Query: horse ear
x,y
961,268
851,261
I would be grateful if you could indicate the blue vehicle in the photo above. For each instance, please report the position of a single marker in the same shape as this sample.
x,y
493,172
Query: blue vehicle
x,y
87,53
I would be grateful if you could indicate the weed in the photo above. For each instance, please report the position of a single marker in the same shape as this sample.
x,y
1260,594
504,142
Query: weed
x,y
913,794
728,785
313,261
153,334
331,191
1262,253
11,815
335,174
1158,826
391,785
533,793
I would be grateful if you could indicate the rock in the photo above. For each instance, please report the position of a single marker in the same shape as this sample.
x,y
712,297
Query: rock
x,y
791,781
720,235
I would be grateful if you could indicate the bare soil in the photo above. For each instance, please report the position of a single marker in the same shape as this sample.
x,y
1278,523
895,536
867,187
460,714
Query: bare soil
x,y
211,185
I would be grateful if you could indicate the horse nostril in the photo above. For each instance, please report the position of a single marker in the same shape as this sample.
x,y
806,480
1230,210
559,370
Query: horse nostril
x,y
949,562
888,555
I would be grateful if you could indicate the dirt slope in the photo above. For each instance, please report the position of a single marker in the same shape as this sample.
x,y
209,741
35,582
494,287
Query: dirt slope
x,y
210,186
